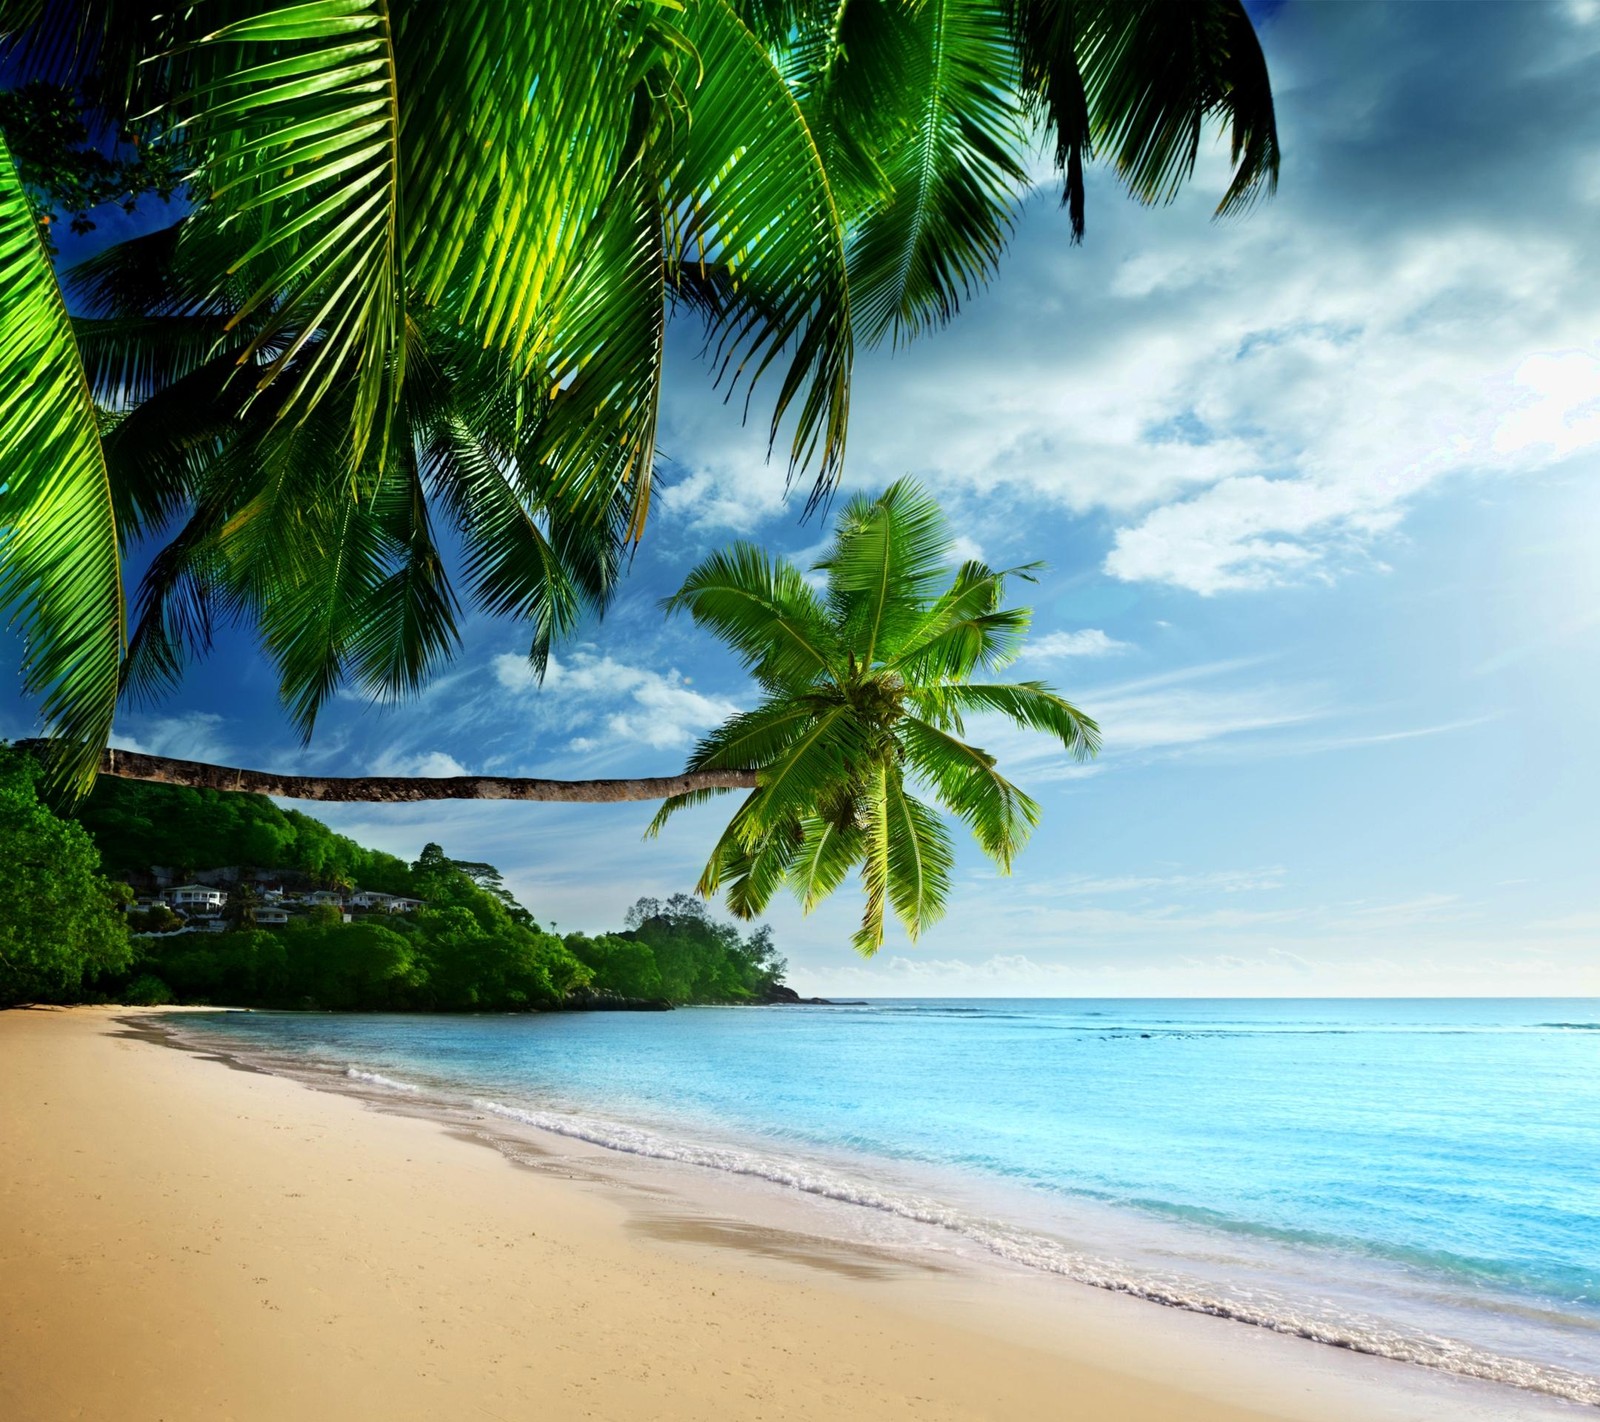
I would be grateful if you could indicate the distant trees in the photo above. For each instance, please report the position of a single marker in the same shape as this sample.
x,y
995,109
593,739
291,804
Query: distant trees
x,y
139,824
470,947
59,921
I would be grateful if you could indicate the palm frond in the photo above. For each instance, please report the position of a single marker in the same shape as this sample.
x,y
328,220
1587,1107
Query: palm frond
x,y
515,126
1036,706
673,803
60,577
298,121
965,782
921,857
868,938
827,853
754,873
598,435
767,612
1156,74
743,187
833,749
954,169
128,359
753,738
882,567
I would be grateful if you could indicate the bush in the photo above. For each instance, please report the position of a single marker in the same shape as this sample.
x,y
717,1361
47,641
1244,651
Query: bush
x,y
59,919
147,990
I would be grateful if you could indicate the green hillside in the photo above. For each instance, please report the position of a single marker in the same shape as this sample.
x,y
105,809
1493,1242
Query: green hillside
x,y
77,934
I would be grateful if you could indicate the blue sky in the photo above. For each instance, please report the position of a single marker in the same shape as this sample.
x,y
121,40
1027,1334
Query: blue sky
x,y
1318,492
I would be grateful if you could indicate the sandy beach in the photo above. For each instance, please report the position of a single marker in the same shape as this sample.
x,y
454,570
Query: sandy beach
x,y
179,1240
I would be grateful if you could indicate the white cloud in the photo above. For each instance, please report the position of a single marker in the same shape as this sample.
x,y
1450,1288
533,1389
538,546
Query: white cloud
x,y
964,549
433,763
1090,642
609,702
191,735
1261,401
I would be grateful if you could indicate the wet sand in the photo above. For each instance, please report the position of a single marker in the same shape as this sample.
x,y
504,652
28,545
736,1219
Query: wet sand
x,y
179,1241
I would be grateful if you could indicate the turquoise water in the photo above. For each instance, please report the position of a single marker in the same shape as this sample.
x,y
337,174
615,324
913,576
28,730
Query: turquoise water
x,y
1419,1179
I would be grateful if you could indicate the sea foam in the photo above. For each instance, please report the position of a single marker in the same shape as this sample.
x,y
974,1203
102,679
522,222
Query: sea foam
x,y
1038,1251
374,1078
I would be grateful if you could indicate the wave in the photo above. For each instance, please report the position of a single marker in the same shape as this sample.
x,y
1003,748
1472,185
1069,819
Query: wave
x,y
1035,1251
375,1078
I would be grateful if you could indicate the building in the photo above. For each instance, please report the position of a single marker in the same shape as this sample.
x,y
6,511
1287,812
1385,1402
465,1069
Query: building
x,y
269,917
383,903
196,898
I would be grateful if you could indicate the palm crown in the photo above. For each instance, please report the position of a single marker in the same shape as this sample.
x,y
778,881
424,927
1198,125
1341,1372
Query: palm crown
x,y
866,685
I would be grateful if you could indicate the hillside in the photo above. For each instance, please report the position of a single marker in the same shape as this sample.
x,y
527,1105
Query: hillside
x,y
291,914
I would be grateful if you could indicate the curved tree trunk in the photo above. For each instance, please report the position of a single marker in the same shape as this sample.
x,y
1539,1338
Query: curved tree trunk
x,y
129,765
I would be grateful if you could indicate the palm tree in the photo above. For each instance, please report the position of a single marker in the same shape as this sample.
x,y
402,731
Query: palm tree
x,y
866,685
426,273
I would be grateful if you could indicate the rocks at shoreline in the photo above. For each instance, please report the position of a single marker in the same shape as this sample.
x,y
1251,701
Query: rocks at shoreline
x,y
777,995
583,1000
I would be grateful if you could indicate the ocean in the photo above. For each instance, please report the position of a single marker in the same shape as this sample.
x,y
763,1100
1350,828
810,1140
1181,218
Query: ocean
x,y
1416,1179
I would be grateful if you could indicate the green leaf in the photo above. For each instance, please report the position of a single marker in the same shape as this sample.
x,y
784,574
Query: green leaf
x,y
882,566
303,146
766,611
60,578
954,168
965,782
1036,706
743,188
827,853
920,858
875,869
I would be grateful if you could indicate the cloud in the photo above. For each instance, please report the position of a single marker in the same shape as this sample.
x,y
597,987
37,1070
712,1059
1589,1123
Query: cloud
x,y
191,735
1227,881
603,701
1090,642
434,763
1260,402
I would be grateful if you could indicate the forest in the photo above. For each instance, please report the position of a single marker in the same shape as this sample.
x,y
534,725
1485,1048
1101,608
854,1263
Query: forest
x,y
66,930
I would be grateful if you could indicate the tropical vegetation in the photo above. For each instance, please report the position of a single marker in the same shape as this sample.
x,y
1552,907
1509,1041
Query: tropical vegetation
x,y
401,351
67,934
60,921
423,269
866,686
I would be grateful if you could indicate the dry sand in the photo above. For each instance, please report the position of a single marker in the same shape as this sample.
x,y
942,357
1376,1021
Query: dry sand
x,y
181,1241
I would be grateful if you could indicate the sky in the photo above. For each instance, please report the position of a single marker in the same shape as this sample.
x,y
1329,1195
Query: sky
x,y
1317,488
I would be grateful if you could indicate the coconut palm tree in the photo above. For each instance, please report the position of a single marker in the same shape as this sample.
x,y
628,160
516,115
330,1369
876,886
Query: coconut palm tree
x,y
866,685
379,185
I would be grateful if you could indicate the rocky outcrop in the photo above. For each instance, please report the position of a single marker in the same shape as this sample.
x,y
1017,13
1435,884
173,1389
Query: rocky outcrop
x,y
583,1000
777,995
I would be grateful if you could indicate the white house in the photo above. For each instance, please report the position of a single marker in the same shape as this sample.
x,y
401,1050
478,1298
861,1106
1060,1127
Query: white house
x,y
269,917
325,896
385,903
196,897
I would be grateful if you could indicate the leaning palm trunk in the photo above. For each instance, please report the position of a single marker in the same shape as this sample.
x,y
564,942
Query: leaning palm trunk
x,y
393,789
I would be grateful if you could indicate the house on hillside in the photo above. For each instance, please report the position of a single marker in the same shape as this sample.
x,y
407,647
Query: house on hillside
x,y
196,898
271,917
325,896
383,903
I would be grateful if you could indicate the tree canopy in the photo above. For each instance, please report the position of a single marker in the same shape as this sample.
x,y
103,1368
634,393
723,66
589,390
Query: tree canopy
x,y
424,270
64,935
59,921
865,689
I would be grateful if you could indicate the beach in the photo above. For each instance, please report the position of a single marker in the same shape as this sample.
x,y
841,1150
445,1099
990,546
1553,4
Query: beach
x,y
181,1240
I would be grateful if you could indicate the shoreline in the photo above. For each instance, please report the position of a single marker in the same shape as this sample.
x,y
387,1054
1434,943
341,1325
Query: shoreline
x,y
567,1283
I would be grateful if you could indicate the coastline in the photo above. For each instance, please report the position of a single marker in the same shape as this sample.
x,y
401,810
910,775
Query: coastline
x,y
181,1241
